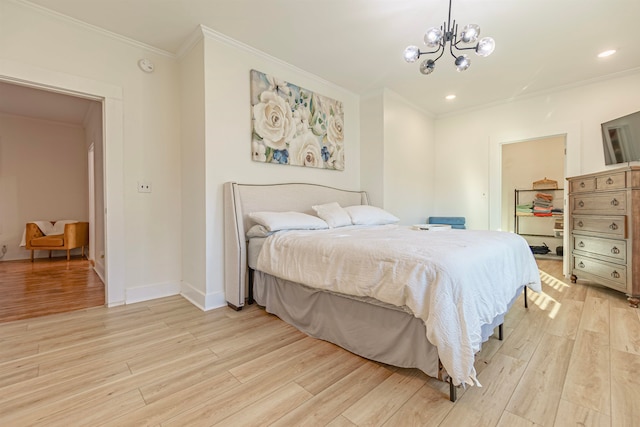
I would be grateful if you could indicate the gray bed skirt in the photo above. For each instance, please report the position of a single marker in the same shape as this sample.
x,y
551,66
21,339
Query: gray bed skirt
x,y
381,333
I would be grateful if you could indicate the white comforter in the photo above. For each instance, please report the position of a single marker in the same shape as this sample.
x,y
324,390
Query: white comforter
x,y
454,280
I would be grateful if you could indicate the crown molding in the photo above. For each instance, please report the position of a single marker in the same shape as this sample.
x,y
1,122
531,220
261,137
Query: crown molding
x,y
189,43
214,35
93,28
539,93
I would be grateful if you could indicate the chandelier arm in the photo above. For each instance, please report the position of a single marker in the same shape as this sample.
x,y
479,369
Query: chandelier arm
x,y
451,46
441,53
433,51
467,48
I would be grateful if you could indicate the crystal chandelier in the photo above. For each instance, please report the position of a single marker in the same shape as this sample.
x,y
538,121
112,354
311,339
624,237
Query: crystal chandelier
x,y
437,38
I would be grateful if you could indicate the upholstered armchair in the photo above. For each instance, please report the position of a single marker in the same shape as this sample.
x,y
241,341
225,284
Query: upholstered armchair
x,y
75,235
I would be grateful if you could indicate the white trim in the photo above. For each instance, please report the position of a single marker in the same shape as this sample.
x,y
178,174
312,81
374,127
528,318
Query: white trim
x,y
93,28
211,34
573,163
190,42
400,98
551,91
149,292
113,114
199,299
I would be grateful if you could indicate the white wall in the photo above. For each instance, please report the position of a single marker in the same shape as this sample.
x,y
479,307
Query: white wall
x,y
397,160
43,176
228,138
194,214
408,160
468,145
142,139
372,147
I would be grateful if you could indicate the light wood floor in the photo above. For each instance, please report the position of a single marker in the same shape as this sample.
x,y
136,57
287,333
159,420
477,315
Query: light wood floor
x,y
47,286
572,358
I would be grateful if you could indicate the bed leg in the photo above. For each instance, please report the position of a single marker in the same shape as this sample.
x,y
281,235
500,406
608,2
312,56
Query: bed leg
x,y
500,334
453,391
526,301
250,296
236,308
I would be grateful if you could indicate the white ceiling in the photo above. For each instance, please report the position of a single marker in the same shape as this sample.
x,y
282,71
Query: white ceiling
x,y
541,45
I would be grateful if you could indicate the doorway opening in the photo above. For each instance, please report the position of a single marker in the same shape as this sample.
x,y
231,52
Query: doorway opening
x,y
45,176
532,192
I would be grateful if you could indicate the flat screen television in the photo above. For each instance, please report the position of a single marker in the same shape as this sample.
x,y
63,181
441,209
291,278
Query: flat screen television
x,y
621,139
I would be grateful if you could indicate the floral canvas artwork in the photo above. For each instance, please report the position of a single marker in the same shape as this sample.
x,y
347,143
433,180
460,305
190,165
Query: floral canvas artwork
x,y
295,126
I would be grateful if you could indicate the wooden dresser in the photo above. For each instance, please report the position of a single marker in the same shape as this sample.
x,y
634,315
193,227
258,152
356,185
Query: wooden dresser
x,y
604,219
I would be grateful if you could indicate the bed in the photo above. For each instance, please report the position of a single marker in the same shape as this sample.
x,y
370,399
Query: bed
x,y
437,329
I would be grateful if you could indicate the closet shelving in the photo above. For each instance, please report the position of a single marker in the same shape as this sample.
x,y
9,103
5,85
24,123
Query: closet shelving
x,y
530,225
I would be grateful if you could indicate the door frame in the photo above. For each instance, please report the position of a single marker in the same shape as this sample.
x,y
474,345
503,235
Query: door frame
x,y
573,162
113,136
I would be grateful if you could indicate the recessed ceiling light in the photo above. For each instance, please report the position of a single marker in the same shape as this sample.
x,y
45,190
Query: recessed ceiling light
x,y
606,53
450,97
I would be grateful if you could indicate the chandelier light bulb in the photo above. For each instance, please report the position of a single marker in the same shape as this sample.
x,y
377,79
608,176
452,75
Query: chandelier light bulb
x,y
433,36
411,53
462,62
427,66
485,47
470,33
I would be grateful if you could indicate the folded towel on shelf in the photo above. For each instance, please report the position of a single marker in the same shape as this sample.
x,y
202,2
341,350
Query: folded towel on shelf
x,y
541,209
544,196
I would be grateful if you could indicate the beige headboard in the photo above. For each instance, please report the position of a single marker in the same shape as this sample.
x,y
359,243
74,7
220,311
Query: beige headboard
x,y
241,199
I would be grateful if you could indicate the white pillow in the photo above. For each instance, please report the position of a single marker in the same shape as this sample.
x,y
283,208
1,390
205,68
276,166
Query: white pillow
x,y
333,214
275,221
258,231
370,215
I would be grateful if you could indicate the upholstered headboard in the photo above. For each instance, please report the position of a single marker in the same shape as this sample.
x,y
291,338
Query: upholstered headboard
x,y
241,199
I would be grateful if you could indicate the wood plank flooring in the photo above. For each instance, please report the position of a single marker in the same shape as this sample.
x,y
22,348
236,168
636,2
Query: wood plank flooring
x,y
47,286
570,359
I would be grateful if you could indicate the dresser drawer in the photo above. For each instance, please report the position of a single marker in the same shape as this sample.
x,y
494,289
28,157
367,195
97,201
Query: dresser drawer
x,y
614,249
613,274
607,226
582,185
613,181
614,202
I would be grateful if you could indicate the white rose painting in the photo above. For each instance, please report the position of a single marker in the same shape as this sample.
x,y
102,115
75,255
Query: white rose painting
x,y
294,126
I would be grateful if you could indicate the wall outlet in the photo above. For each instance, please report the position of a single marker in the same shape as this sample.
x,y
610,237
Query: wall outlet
x,y
144,187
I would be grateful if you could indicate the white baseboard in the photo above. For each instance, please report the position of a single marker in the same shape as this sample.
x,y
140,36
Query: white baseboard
x,y
98,267
149,292
199,299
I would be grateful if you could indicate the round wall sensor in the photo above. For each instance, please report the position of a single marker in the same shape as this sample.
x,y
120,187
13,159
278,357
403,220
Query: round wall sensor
x,y
146,65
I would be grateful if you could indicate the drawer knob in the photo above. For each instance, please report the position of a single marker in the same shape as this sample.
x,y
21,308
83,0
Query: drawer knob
x,y
582,184
581,244
615,202
581,204
609,181
615,274
615,250
580,223
581,264
613,226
